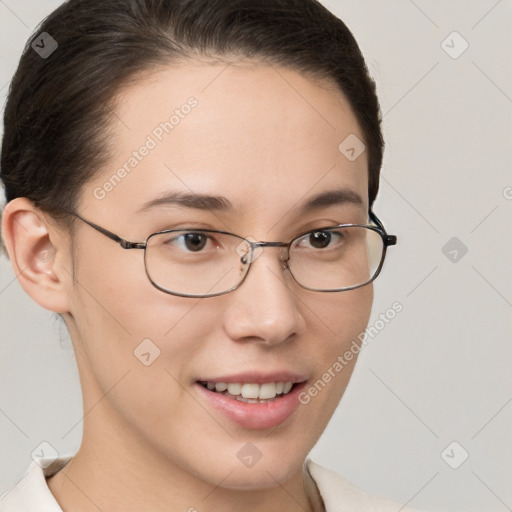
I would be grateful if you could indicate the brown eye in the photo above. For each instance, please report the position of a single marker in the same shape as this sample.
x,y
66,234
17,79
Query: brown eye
x,y
320,239
188,242
195,241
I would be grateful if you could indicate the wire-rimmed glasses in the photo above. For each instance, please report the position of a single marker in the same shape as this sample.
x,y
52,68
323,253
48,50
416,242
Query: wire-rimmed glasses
x,y
191,262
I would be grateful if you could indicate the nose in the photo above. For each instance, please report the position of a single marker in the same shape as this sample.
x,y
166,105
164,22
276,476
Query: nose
x,y
265,307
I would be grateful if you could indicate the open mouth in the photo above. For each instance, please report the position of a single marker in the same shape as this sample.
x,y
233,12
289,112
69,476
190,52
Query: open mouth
x,y
250,392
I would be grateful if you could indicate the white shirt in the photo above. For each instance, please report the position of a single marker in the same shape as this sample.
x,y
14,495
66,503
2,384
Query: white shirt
x,y
32,494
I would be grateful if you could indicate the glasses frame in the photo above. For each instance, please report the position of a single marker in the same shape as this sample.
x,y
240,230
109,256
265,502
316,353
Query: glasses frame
x,y
378,227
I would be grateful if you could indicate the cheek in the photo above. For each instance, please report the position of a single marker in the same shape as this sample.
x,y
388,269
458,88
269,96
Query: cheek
x,y
114,295
123,322
342,316
339,322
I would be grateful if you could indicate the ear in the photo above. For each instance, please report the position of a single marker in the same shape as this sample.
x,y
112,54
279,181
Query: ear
x,y
37,251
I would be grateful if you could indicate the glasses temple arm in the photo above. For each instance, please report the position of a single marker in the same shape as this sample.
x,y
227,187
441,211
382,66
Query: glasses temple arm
x,y
125,244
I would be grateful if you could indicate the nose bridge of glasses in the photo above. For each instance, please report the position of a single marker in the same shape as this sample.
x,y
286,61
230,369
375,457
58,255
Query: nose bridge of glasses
x,y
268,244
257,248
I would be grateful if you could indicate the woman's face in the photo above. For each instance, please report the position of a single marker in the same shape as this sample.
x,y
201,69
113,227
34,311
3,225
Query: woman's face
x,y
267,140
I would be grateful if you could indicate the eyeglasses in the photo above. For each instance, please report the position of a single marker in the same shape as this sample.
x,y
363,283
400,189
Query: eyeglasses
x,y
207,262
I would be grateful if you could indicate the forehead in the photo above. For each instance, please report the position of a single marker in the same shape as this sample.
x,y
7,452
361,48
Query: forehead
x,y
243,130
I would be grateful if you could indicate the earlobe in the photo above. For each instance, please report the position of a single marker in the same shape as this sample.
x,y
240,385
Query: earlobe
x,y
35,250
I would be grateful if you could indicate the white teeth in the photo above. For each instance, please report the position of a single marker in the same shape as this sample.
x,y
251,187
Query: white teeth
x,y
251,392
267,390
234,388
287,387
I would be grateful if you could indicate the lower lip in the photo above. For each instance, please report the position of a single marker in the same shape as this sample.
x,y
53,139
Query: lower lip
x,y
256,415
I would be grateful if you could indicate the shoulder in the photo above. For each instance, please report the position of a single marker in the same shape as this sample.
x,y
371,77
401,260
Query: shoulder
x,y
340,495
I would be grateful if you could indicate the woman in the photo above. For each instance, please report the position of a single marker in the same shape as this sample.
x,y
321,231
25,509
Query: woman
x,y
150,147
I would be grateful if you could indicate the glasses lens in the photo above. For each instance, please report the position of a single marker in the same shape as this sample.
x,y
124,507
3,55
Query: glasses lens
x,y
336,258
196,263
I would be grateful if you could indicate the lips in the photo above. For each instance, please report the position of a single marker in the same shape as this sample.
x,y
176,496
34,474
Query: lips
x,y
253,400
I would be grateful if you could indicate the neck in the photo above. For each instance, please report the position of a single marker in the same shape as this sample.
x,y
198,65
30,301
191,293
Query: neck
x,y
111,473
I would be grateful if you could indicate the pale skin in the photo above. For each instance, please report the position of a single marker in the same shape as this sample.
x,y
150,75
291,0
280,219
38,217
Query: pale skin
x,y
150,442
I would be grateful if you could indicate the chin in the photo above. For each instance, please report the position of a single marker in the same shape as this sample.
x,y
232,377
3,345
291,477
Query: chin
x,y
260,477
273,463
266,463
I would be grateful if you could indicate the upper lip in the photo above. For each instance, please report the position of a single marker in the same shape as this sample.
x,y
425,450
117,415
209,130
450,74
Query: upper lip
x,y
256,377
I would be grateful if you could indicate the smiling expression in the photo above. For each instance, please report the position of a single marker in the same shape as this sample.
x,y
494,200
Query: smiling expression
x,y
266,140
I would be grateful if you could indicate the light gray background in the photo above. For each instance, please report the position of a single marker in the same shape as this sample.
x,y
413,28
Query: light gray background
x,y
440,371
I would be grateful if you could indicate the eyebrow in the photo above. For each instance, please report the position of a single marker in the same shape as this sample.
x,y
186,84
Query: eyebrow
x,y
222,204
332,198
189,200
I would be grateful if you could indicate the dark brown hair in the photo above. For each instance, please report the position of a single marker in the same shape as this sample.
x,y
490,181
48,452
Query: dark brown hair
x,y
58,108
